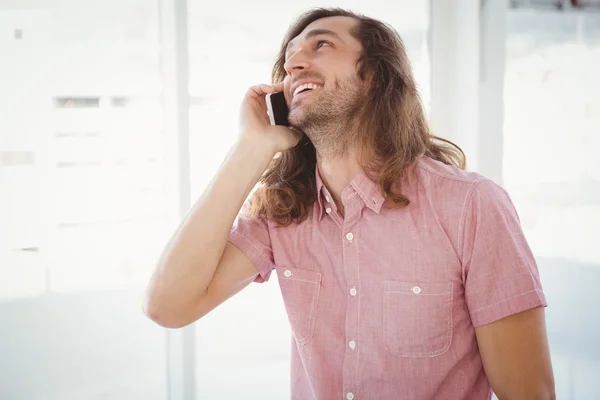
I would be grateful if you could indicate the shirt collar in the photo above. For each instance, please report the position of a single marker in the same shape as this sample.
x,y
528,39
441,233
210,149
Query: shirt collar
x,y
361,185
368,191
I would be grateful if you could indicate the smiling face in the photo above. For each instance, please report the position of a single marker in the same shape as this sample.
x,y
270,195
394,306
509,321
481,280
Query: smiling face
x,y
322,85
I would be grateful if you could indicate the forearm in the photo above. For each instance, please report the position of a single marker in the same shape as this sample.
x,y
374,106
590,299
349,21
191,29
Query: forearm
x,y
527,386
190,259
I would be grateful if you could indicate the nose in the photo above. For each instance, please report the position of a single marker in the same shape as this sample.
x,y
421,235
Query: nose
x,y
296,63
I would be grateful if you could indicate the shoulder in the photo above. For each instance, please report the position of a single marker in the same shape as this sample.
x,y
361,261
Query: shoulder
x,y
451,181
453,191
449,174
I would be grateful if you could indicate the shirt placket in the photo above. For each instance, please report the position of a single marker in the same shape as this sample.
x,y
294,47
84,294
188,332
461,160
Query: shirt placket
x,y
353,292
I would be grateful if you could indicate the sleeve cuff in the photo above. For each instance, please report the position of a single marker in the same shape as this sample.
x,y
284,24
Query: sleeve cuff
x,y
505,308
262,263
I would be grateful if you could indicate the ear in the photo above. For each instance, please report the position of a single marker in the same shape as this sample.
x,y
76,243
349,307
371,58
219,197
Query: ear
x,y
362,68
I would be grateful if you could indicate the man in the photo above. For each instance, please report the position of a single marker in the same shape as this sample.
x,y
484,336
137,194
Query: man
x,y
403,276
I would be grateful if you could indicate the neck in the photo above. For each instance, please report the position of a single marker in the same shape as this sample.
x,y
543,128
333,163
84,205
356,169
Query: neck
x,y
336,173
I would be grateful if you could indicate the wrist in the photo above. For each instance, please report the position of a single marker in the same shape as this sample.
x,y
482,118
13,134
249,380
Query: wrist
x,y
255,150
250,159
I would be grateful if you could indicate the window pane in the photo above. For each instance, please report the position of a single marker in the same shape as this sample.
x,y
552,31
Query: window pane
x,y
82,204
232,47
551,169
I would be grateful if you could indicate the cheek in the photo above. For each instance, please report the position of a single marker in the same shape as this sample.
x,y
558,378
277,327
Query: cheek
x,y
286,89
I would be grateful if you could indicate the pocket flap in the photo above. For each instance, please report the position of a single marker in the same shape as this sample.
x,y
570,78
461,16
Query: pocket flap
x,y
298,274
418,288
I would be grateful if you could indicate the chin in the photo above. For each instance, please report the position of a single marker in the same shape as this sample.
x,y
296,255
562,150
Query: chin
x,y
296,116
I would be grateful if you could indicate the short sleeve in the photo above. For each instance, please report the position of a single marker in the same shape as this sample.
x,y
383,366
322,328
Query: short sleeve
x,y
500,274
251,236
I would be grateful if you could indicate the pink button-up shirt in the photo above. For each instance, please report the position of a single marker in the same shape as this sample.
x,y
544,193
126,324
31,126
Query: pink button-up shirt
x,y
383,302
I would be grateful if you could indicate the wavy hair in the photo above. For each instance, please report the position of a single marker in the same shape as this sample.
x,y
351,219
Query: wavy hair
x,y
394,133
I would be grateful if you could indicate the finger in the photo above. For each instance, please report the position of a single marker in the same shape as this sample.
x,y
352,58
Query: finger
x,y
264,89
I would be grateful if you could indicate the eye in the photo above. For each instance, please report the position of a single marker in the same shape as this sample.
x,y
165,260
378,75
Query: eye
x,y
322,43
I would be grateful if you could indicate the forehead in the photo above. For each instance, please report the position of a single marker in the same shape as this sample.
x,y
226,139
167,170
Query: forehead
x,y
342,26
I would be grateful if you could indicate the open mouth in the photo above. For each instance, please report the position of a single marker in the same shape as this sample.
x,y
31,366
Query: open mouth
x,y
306,88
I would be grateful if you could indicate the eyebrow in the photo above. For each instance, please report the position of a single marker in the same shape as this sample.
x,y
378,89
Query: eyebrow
x,y
313,33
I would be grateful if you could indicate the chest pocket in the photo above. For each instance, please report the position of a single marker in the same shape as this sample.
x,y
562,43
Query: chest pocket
x,y
417,318
300,290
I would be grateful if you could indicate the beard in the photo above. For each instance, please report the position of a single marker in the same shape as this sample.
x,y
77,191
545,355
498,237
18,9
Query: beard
x,y
328,119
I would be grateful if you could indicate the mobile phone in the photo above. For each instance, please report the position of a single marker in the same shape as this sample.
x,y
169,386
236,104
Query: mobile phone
x,y
278,109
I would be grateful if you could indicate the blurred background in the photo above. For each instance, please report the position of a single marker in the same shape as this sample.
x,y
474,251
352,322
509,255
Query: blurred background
x,y
102,151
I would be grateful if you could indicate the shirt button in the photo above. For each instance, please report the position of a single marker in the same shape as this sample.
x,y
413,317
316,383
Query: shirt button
x,y
352,344
416,290
328,199
350,236
353,291
328,210
287,273
350,396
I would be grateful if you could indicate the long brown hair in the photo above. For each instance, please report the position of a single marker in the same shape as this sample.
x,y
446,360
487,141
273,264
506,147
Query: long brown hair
x,y
394,131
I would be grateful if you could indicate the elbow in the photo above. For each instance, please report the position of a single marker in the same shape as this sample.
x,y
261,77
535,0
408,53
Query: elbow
x,y
162,315
169,305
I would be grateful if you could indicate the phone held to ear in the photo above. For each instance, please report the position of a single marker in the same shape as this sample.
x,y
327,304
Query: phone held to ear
x,y
277,109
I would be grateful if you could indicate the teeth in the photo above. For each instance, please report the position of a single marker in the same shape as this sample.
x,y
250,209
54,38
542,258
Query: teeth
x,y
306,86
